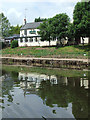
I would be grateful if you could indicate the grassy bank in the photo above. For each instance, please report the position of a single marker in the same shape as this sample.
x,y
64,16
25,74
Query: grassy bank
x,y
47,71
61,52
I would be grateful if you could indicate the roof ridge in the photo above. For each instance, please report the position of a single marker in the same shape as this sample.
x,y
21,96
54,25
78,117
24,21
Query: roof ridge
x,y
33,22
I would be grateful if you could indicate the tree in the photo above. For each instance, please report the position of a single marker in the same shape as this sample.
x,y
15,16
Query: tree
x,y
5,25
14,30
55,27
45,31
40,19
81,16
71,33
59,25
0,25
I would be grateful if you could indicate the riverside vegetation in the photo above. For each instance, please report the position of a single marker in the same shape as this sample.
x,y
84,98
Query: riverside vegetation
x,y
74,51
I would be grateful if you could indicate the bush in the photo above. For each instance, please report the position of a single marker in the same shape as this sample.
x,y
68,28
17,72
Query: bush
x,y
2,45
14,44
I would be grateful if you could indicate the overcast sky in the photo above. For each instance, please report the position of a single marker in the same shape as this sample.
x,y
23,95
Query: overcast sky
x,y
15,9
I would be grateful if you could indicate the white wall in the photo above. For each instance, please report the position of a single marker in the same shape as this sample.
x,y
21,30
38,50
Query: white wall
x,y
34,43
86,40
28,32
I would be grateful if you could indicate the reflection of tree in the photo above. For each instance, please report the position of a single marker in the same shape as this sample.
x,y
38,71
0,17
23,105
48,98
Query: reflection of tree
x,y
53,94
7,84
79,100
14,76
62,94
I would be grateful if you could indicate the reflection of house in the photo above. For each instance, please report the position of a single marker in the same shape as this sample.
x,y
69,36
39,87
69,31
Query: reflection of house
x,y
34,80
84,82
2,78
30,82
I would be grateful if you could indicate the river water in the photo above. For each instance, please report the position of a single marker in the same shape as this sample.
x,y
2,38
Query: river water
x,y
44,93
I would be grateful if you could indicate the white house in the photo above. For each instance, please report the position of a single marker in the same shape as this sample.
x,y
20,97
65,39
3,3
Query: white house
x,y
30,29
29,35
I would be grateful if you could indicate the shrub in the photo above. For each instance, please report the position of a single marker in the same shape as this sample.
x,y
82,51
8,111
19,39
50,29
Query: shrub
x,y
2,45
14,44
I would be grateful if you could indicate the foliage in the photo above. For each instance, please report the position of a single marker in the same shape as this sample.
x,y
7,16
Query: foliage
x,y
42,32
5,25
6,29
71,31
14,44
81,16
40,19
60,25
45,30
2,45
14,30
55,27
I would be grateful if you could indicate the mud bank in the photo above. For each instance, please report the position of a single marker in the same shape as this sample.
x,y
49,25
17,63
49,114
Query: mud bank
x,y
47,62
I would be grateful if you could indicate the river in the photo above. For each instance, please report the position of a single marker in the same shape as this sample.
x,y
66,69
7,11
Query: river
x,y
29,92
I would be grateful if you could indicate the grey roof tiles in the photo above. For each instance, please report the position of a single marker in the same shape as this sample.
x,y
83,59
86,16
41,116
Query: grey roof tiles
x,y
32,25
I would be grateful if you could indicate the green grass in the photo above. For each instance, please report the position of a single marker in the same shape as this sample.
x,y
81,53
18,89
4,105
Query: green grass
x,y
62,52
47,71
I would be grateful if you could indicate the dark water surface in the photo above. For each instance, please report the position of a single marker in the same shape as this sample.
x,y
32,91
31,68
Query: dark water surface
x,y
39,92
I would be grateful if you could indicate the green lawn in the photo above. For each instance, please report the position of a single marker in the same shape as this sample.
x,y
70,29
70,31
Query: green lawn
x,y
62,52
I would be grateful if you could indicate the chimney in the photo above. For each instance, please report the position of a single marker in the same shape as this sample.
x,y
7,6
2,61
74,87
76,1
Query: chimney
x,y
24,23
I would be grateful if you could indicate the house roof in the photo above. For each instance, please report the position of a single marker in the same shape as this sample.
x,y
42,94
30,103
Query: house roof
x,y
14,36
32,25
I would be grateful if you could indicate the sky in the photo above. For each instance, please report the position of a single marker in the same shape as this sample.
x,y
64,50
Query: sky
x,y
15,11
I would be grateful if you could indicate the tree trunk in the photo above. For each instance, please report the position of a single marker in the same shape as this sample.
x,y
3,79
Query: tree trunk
x,y
88,40
83,40
77,40
49,43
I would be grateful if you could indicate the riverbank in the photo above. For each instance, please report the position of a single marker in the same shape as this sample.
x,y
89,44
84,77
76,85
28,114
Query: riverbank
x,y
74,51
47,62
48,71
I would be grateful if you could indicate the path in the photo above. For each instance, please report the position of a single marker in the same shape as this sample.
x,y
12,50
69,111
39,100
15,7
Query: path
x,y
31,58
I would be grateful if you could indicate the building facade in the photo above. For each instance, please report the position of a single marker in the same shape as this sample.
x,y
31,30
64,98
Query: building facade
x,y
29,36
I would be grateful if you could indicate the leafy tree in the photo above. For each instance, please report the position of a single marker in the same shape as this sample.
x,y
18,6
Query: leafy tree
x,y
5,25
14,30
81,16
42,31
45,31
40,19
0,25
55,27
60,24
71,33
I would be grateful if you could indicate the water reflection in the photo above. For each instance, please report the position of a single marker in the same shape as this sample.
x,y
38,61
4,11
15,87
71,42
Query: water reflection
x,y
61,97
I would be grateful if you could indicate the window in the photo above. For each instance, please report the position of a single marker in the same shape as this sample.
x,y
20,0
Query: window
x,y
32,32
31,39
26,40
